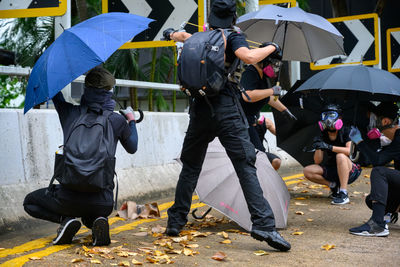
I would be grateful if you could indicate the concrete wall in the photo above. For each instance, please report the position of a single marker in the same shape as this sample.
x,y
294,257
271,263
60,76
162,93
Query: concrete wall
x,y
28,143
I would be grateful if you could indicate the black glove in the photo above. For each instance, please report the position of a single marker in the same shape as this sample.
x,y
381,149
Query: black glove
x,y
167,34
288,115
278,51
322,145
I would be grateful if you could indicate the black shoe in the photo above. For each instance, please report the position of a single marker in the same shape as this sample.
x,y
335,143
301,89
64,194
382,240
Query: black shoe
x,y
341,199
370,228
100,232
173,230
273,238
334,192
67,230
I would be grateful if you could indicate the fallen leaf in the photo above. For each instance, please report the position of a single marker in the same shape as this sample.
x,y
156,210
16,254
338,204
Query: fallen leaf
x,y
299,212
300,204
328,247
135,262
95,261
344,208
35,258
207,246
123,254
180,239
124,263
304,191
219,256
366,176
314,210
77,260
114,241
316,186
226,241
158,229
143,229
300,198
310,220
192,245
357,193
297,233
140,234
233,230
260,253
188,252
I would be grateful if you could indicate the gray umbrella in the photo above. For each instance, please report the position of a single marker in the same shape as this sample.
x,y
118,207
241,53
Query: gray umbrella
x,y
303,36
365,83
219,187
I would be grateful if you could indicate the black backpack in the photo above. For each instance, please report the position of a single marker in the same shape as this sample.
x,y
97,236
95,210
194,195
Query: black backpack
x,y
201,67
88,160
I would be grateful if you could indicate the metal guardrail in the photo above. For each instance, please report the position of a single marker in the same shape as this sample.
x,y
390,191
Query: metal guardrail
x,y
19,71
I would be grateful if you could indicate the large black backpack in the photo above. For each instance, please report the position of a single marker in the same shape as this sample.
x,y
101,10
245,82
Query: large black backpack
x,y
201,67
88,160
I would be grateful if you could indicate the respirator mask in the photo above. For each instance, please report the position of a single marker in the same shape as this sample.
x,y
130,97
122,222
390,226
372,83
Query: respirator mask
x,y
330,121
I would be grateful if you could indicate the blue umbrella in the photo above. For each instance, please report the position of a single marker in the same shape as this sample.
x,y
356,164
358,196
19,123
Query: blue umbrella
x,y
79,49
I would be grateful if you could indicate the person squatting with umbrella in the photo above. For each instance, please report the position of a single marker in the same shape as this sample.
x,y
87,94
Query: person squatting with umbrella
x,y
62,205
257,80
228,125
337,171
385,182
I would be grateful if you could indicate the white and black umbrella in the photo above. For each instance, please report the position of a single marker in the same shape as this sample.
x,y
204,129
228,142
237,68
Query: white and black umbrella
x,y
218,186
302,36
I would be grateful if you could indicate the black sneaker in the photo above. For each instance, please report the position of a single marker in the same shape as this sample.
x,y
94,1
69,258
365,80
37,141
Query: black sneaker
x,y
334,192
370,228
101,232
173,230
67,230
273,238
341,199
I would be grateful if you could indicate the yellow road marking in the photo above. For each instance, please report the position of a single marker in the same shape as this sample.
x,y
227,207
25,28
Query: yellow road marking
x,y
42,242
293,176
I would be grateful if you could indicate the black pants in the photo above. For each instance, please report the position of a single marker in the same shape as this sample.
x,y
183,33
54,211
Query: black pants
x,y
385,188
45,205
228,125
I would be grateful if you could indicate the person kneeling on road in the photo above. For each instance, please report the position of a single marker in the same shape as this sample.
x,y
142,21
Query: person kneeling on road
x,y
229,126
385,183
337,171
63,203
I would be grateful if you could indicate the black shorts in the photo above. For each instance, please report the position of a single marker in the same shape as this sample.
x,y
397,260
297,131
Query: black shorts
x,y
330,173
271,156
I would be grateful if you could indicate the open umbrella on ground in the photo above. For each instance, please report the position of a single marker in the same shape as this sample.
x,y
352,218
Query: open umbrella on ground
x,y
79,49
303,36
218,186
351,87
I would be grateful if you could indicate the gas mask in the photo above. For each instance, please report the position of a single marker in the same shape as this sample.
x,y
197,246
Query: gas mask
x,y
330,121
272,67
373,131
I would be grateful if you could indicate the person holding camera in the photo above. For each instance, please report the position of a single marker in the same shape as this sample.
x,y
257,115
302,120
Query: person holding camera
x,y
228,124
63,204
337,170
385,182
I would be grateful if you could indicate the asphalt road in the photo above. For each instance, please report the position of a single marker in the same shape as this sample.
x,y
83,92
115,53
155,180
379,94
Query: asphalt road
x,y
317,231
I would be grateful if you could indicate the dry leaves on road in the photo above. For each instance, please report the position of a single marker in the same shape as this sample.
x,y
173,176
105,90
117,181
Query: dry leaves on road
x,y
328,247
299,212
297,233
260,253
219,256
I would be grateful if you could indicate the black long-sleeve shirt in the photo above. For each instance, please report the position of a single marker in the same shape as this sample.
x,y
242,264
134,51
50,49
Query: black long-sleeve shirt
x,y
123,132
386,155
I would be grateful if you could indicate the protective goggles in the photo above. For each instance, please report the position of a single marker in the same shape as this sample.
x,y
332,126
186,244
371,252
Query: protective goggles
x,y
329,115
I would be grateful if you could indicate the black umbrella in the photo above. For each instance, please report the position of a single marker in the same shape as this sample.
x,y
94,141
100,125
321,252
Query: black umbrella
x,y
364,83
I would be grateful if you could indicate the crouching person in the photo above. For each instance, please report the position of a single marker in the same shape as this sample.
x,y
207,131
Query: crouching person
x,y
337,171
85,169
385,182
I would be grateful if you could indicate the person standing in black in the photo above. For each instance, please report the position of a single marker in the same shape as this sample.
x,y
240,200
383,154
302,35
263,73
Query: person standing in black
x,y
59,204
385,182
229,126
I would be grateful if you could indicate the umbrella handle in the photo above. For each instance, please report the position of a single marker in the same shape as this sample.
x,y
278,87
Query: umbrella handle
x,y
202,216
141,116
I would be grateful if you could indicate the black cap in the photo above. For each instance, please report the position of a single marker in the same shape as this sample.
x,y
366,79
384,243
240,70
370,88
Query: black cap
x,y
222,13
387,109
